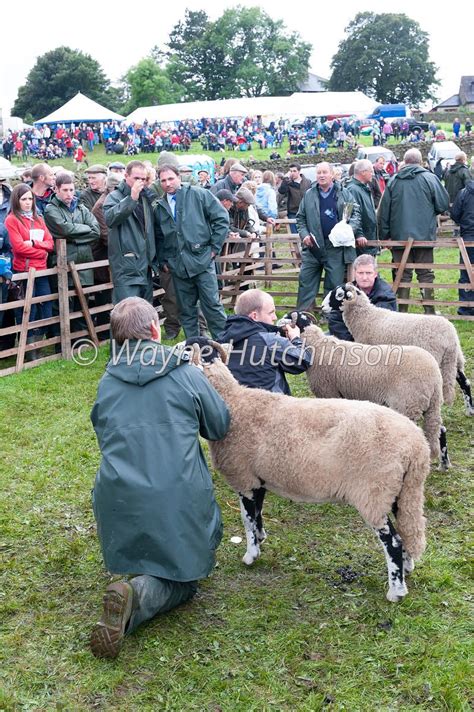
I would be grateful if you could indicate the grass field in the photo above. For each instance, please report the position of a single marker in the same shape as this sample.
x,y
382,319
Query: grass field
x,y
306,628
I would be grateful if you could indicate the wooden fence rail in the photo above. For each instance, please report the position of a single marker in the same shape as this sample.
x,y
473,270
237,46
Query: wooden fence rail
x,y
274,265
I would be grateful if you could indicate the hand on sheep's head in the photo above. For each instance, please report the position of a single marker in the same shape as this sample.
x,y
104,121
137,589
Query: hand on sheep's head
x,y
336,298
301,319
206,350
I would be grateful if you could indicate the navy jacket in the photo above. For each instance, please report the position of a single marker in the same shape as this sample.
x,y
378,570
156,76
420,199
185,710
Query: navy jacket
x,y
462,211
260,356
381,296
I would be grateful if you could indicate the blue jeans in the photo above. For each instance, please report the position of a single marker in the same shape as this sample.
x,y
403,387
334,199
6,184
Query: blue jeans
x,y
293,228
42,310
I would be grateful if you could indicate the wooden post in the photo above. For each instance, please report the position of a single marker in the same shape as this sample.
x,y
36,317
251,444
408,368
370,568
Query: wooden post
x,y
83,301
63,289
403,261
30,285
268,255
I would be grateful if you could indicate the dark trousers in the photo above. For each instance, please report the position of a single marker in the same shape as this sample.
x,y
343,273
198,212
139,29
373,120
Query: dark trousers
x,y
417,254
293,228
201,288
310,277
154,595
466,295
122,291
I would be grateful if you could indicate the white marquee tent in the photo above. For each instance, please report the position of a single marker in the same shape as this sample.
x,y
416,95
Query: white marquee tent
x,y
297,105
78,109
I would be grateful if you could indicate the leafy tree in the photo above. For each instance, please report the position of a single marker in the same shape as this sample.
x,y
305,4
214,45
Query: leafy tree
x,y
386,57
243,53
56,77
147,84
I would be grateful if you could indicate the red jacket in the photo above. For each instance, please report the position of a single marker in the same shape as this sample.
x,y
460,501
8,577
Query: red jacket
x,y
25,256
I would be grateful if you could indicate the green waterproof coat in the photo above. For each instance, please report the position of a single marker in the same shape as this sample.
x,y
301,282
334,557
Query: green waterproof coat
x,y
80,230
201,227
153,497
368,219
411,201
456,178
308,221
132,253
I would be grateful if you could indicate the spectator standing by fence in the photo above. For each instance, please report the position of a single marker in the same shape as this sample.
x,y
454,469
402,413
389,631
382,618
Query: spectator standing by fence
x,y
412,200
462,212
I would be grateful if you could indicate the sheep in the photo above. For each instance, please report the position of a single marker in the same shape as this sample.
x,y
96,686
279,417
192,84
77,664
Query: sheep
x,y
369,325
327,450
406,379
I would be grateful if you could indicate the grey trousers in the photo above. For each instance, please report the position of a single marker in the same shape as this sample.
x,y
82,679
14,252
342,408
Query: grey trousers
x,y
154,595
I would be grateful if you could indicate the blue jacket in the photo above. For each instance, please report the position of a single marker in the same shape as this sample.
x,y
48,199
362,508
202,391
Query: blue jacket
x,y
462,211
261,356
381,296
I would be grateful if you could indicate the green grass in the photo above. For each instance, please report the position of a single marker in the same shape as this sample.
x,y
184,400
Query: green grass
x,y
306,628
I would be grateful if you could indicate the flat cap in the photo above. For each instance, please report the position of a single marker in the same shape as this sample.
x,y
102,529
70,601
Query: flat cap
x,y
245,195
96,168
225,194
238,167
117,164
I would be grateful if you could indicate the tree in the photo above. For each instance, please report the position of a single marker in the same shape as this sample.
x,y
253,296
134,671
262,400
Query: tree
x,y
56,77
242,53
147,84
386,57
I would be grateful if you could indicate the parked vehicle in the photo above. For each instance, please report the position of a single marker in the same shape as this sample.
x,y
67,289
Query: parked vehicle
x,y
443,151
390,110
374,152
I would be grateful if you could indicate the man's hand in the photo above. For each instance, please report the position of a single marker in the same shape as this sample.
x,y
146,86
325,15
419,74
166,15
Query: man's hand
x,y
307,241
362,241
292,332
165,268
271,221
136,189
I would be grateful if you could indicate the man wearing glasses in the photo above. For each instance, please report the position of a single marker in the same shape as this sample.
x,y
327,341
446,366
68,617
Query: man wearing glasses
x,y
132,253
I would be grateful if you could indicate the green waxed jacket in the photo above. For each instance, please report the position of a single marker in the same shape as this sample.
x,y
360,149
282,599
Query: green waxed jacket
x,y
201,227
153,496
368,219
132,253
411,201
456,178
80,230
308,221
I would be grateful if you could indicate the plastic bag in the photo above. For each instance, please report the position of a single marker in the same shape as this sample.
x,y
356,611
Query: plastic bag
x,y
342,235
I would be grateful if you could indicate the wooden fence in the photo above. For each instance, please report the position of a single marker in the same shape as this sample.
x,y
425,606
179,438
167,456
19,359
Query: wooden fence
x,y
275,268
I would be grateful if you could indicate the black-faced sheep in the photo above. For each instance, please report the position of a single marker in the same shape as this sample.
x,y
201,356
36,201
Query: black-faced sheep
x,y
369,325
405,378
311,450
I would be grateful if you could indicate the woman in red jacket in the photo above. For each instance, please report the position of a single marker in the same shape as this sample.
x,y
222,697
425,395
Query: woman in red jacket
x,y
31,242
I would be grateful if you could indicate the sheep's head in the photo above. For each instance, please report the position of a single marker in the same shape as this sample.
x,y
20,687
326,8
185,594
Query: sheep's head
x,y
301,319
206,351
339,296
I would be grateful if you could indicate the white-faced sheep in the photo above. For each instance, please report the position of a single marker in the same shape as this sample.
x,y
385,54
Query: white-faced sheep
x,y
326,450
369,325
405,378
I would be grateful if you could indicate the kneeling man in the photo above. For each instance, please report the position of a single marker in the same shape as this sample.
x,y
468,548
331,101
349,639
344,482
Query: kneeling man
x,y
153,497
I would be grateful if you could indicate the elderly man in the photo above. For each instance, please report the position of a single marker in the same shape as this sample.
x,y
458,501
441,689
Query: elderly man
x,y
260,355
157,518
96,176
369,281
359,186
192,226
294,185
457,176
132,251
232,181
412,200
321,208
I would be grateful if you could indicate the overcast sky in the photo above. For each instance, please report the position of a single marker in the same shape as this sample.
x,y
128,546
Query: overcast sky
x,y
119,34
